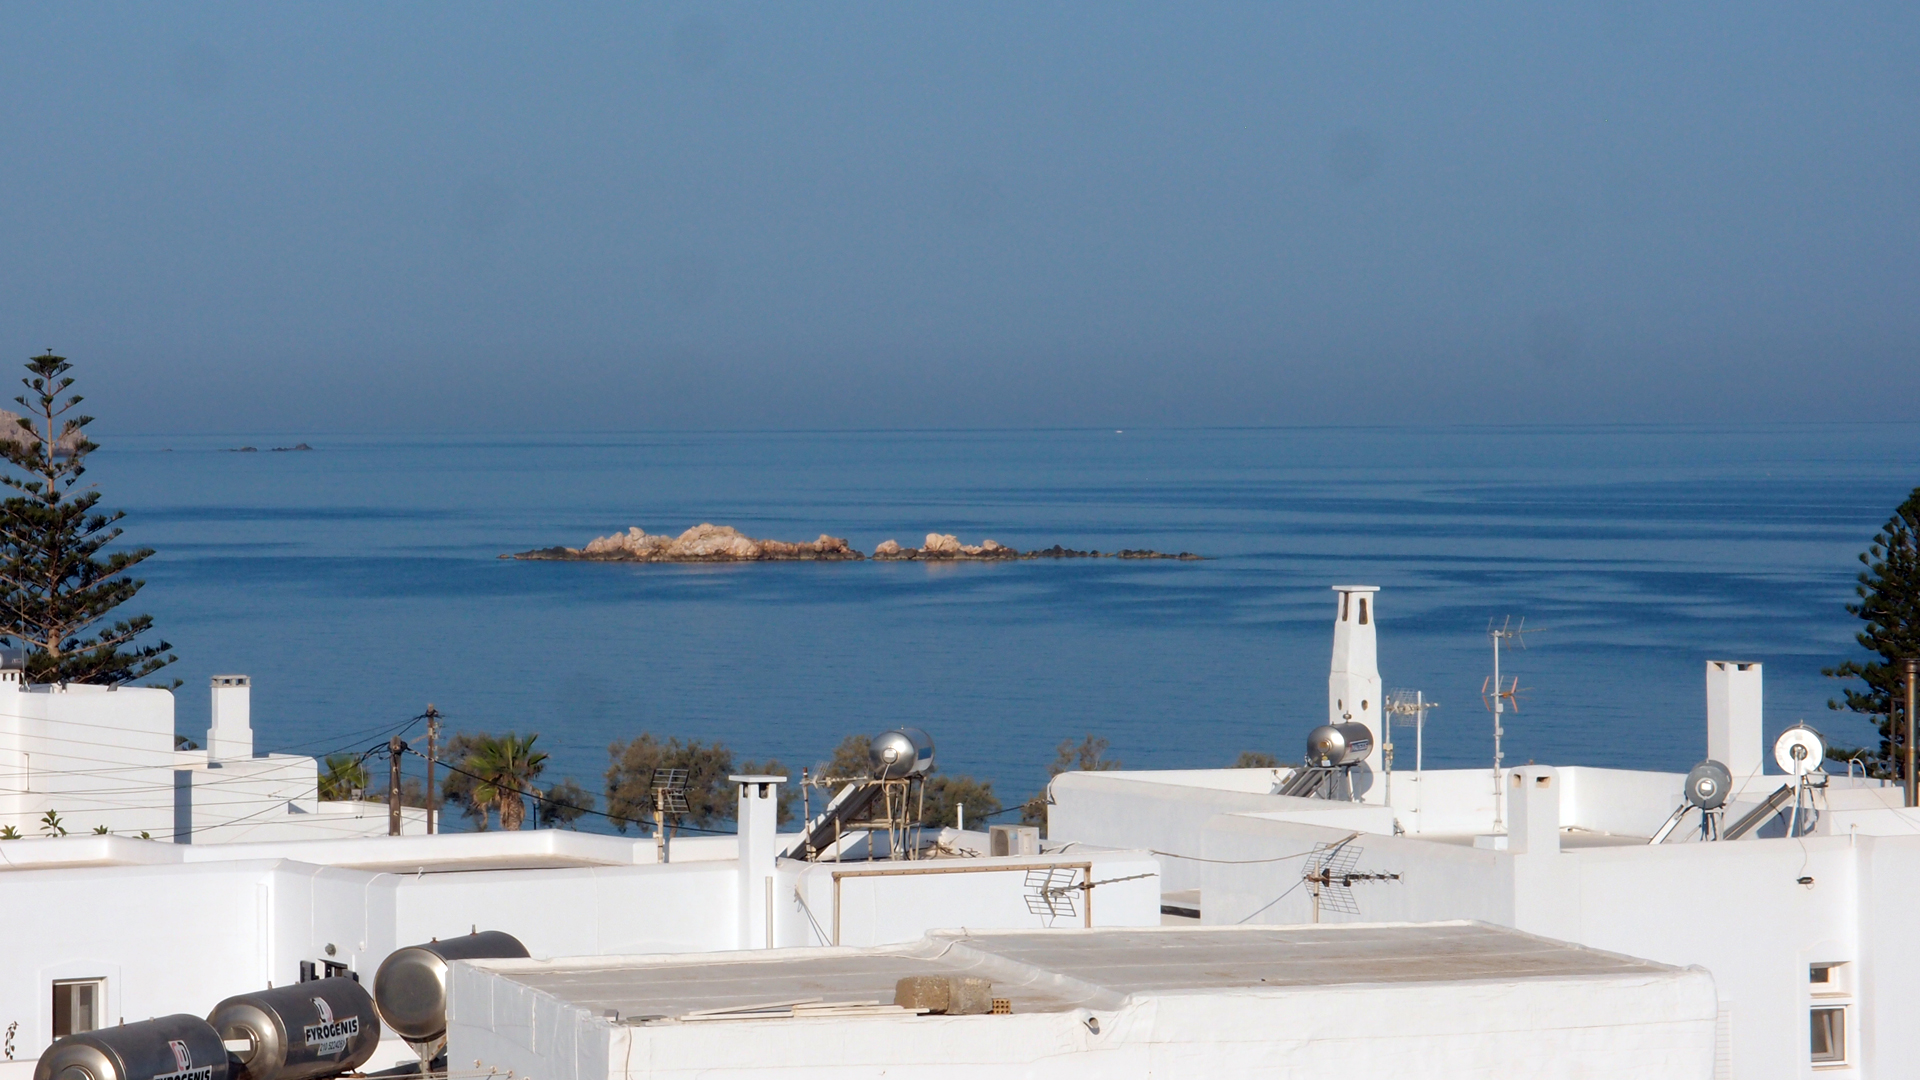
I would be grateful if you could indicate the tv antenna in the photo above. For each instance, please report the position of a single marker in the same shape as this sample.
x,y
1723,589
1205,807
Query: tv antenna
x,y
1407,703
1330,875
1498,695
669,797
1049,892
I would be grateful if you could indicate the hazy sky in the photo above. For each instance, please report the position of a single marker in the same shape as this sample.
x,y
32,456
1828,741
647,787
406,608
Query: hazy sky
x,y
367,217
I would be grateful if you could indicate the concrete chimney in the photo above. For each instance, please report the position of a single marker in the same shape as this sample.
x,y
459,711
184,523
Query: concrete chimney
x,y
1533,810
230,737
1353,687
758,821
1734,735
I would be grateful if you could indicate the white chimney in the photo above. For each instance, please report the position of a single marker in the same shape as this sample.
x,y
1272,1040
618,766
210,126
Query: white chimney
x,y
1734,735
1353,688
231,735
1533,810
758,820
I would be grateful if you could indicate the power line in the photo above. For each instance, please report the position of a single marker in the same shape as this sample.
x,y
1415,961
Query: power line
x,y
536,796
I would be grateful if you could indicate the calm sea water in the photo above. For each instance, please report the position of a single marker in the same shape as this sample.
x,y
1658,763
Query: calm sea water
x,y
358,582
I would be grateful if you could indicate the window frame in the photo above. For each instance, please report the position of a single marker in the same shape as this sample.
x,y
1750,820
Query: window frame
x,y
97,1007
1837,1034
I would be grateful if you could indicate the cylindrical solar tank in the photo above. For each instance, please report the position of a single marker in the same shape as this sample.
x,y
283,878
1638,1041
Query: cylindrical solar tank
x,y
902,752
411,985
1799,750
318,1028
178,1047
1338,744
1709,784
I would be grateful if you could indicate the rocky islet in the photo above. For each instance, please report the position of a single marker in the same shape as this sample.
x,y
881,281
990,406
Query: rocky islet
x,y
724,543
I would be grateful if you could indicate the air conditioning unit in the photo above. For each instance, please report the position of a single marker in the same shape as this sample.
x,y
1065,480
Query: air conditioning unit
x,y
1013,840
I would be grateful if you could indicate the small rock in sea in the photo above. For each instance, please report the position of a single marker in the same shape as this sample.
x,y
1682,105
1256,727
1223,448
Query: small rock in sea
x,y
722,543
702,543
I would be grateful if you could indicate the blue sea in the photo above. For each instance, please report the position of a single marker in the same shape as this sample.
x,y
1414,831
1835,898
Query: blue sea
x,y
361,580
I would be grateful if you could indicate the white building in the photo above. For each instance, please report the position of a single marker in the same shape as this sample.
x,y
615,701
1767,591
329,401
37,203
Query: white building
x,y
104,757
1443,1000
1813,957
140,928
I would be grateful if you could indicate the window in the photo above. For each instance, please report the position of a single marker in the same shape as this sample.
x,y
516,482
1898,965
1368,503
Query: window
x,y
1345,599
77,1005
1830,1035
1830,984
1363,611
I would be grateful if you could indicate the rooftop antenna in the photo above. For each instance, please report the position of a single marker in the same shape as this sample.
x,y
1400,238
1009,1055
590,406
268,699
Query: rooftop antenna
x,y
1330,874
1049,892
1412,703
669,797
1498,695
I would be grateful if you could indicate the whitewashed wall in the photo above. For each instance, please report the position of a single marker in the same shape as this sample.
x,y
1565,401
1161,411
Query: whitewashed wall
x,y
175,928
1737,909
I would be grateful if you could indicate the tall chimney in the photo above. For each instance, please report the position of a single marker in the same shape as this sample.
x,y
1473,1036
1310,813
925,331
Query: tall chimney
x,y
231,735
757,820
1734,735
1353,687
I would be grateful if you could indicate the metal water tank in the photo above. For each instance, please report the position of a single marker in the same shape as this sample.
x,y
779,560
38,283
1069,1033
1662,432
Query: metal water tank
x,y
902,752
1338,744
318,1028
178,1047
1708,785
1800,750
411,985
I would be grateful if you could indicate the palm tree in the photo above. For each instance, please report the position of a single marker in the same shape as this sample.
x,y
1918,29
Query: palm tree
x,y
345,778
507,767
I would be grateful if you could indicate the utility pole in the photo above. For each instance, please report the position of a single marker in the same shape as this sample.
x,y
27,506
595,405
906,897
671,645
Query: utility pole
x,y
433,746
1913,674
394,746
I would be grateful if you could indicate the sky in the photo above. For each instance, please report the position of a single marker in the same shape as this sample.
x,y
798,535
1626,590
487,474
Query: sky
x,y
518,218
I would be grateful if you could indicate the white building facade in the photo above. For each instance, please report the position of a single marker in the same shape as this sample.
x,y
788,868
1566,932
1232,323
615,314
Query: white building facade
x,y
104,757
1800,921
151,928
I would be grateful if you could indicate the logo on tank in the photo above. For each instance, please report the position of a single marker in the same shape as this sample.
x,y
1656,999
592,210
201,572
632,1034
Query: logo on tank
x,y
183,1064
329,1036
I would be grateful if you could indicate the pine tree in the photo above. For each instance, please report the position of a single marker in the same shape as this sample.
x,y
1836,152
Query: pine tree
x,y
1889,592
55,585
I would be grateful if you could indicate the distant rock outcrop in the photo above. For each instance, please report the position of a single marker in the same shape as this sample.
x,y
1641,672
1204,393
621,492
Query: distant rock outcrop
x,y
944,547
702,543
11,431
723,543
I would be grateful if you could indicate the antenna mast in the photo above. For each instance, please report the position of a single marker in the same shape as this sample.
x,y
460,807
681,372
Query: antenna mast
x,y
1412,703
1497,695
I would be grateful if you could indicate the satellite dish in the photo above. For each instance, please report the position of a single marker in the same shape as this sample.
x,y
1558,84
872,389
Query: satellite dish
x,y
1708,785
1799,750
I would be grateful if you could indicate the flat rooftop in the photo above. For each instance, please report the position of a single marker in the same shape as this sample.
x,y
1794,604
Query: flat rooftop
x,y
1059,970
